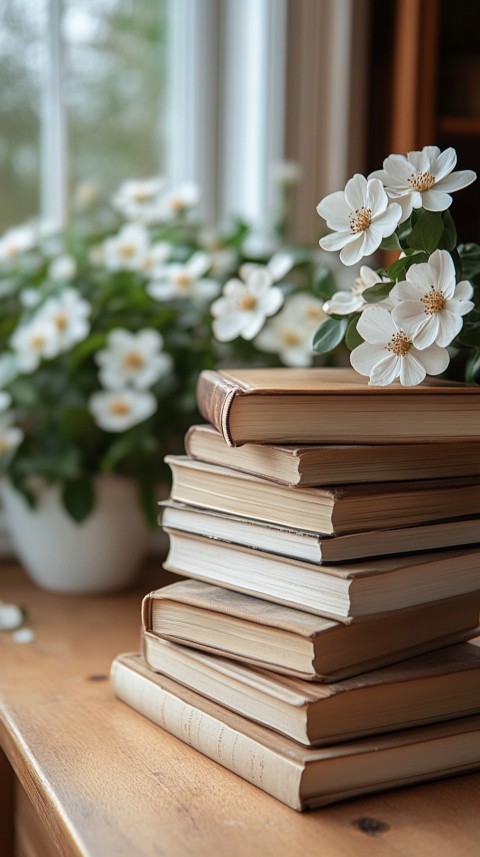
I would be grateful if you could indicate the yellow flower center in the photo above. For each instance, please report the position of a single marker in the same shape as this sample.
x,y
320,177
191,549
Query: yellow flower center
x,y
314,312
127,251
360,219
61,321
37,341
247,302
399,344
421,181
433,301
177,205
133,360
140,195
119,407
290,338
182,280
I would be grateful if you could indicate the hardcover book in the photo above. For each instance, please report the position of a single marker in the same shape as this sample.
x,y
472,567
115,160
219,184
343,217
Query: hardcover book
x,y
346,592
335,464
439,686
293,642
301,777
316,547
333,406
329,510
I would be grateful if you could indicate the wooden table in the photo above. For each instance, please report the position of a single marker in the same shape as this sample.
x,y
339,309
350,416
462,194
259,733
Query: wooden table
x,y
92,777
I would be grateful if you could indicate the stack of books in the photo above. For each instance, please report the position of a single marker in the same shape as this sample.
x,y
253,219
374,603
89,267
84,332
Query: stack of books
x,y
323,642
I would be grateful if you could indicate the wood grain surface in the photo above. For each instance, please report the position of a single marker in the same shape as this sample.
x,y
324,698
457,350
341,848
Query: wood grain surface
x,y
107,783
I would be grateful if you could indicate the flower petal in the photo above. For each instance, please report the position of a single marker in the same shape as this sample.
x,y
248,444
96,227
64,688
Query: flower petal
x,y
435,200
334,210
280,264
386,371
376,197
352,252
449,325
443,164
376,325
356,192
227,327
435,359
443,269
337,240
365,356
463,291
456,181
412,371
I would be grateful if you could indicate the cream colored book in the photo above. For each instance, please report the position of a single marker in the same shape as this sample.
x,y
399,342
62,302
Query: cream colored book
x,y
347,592
336,464
301,777
330,509
439,686
283,640
334,406
316,547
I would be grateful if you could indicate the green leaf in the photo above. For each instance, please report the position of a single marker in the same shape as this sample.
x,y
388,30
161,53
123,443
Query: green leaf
x,y
470,335
330,334
472,369
377,292
427,231
352,336
78,498
448,239
324,283
396,271
470,256
391,243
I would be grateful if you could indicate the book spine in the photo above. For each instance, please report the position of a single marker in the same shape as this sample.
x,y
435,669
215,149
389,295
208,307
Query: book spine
x,y
215,395
274,774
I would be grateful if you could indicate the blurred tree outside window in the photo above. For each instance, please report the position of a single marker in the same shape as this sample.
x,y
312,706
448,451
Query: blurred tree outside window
x,y
113,79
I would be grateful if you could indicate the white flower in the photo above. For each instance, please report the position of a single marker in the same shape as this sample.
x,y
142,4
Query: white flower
x,y
154,262
5,400
423,179
63,268
360,216
23,635
178,201
85,194
16,241
117,411
286,173
127,250
133,358
244,306
290,333
388,353
185,280
11,617
344,302
431,304
30,298
68,313
223,257
10,436
34,341
133,197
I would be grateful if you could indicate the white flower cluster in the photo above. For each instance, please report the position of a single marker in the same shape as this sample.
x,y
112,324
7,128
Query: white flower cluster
x,y
369,210
151,202
405,335
59,324
129,365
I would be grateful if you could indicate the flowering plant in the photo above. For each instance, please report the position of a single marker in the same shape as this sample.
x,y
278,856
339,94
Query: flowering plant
x,y
106,325
410,319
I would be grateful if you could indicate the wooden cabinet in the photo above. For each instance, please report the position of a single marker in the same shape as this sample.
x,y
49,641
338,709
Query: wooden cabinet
x,y
425,88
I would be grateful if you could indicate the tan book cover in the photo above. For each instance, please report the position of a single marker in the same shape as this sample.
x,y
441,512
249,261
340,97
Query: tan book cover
x,y
333,406
300,777
334,464
294,642
346,592
439,686
330,509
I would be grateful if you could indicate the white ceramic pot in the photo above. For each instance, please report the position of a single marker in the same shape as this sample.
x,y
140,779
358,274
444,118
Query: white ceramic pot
x,y
100,555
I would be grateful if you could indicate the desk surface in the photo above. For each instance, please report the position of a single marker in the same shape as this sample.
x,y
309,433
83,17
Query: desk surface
x,y
108,783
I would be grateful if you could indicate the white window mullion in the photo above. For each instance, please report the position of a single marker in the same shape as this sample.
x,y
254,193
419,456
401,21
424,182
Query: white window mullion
x,y
192,99
53,135
253,103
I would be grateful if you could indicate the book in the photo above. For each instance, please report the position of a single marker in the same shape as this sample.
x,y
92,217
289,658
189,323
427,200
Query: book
x,y
439,686
333,406
331,509
345,592
293,642
335,464
316,547
301,777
